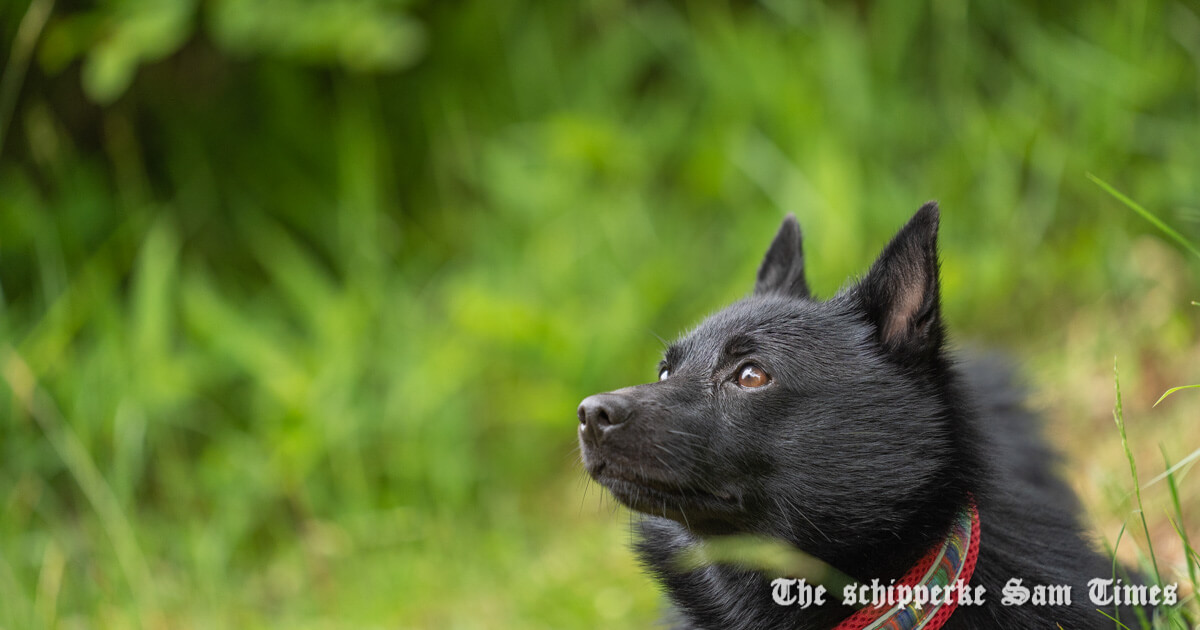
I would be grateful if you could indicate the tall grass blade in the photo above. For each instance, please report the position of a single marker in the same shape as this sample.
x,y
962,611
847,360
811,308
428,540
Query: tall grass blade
x,y
1119,416
1189,552
1113,552
1193,456
18,59
1155,221
1115,620
74,454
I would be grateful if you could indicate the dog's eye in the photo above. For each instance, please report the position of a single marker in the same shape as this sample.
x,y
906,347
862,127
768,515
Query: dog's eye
x,y
752,376
664,373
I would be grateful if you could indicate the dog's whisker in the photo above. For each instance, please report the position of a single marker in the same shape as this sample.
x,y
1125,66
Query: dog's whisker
x,y
683,513
795,508
587,484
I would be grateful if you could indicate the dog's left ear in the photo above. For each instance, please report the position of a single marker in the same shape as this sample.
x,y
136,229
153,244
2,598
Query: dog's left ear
x,y
782,269
900,294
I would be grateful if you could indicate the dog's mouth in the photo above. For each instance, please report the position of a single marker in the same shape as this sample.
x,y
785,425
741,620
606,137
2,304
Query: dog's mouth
x,y
660,497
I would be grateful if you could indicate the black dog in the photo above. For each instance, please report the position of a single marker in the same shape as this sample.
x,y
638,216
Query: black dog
x,y
842,428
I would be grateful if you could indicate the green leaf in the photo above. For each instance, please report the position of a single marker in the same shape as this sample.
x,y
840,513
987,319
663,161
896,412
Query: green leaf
x,y
1172,391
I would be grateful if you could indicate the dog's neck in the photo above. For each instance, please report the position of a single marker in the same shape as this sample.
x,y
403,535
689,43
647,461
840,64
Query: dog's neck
x,y
890,556
944,566
891,559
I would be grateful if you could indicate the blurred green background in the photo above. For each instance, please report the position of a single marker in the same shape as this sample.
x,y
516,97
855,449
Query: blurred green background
x,y
297,298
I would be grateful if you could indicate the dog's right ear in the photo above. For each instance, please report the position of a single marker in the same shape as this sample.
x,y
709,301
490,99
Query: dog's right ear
x,y
782,269
900,294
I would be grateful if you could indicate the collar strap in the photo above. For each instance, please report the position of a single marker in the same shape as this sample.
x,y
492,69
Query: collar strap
x,y
942,566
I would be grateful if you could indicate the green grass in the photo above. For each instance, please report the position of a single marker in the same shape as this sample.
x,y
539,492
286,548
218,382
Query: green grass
x,y
1185,613
1144,618
295,312
1190,558
1147,215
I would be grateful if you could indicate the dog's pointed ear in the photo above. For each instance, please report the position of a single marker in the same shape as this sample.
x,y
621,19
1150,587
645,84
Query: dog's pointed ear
x,y
900,294
782,269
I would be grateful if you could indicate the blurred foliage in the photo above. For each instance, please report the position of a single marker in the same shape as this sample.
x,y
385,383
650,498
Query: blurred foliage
x,y
297,298
115,38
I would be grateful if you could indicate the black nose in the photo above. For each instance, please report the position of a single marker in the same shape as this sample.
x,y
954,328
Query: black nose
x,y
601,412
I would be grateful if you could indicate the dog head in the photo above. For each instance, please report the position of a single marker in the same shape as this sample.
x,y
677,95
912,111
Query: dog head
x,y
824,423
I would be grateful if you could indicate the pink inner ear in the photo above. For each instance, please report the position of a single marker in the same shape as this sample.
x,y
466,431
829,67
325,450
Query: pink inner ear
x,y
904,309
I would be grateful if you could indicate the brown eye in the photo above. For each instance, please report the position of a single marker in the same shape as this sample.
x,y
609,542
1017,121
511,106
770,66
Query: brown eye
x,y
664,373
752,376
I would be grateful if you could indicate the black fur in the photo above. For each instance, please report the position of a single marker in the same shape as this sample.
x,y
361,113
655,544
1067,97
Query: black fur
x,y
859,451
